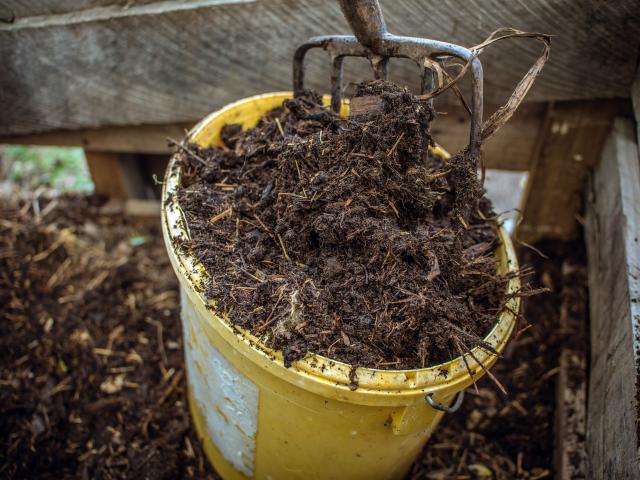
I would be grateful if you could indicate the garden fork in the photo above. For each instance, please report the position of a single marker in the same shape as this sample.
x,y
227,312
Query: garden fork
x,y
374,42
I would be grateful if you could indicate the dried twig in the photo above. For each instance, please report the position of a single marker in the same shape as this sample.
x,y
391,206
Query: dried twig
x,y
284,250
504,113
187,150
466,364
224,214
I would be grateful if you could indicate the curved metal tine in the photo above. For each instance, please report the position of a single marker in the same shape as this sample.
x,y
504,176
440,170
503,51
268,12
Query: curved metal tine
x,y
336,83
298,64
427,84
418,48
380,67
367,22
336,45
432,77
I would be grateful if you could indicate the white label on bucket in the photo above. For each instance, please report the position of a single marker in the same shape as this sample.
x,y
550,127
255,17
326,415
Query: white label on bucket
x,y
226,399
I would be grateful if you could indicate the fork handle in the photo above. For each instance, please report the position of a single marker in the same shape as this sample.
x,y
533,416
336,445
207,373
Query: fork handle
x,y
367,22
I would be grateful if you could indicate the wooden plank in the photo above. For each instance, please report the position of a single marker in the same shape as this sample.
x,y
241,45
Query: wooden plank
x,y
173,61
635,100
20,8
115,175
510,149
107,174
571,390
613,233
132,207
569,145
134,139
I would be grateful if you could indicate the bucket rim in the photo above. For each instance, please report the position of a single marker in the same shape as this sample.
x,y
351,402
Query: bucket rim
x,y
452,375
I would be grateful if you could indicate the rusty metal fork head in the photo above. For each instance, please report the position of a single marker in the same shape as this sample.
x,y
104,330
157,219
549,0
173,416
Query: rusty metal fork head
x,y
374,42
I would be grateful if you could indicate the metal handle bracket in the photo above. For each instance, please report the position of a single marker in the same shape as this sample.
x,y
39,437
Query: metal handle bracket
x,y
443,408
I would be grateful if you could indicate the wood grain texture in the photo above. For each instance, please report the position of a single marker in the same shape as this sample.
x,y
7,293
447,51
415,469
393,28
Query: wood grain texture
x,y
107,174
116,175
613,232
569,145
635,100
510,149
571,417
133,139
30,8
108,64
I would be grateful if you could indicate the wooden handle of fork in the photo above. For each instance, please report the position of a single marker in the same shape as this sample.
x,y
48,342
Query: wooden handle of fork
x,y
367,22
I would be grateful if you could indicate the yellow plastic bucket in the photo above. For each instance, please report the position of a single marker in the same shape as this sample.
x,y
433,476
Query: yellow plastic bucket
x,y
259,419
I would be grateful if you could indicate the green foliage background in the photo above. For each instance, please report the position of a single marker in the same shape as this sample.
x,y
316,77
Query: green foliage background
x,y
60,168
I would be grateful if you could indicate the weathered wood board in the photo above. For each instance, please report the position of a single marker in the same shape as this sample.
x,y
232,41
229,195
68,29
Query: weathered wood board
x,y
569,145
115,175
613,247
95,63
132,139
635,101
510,149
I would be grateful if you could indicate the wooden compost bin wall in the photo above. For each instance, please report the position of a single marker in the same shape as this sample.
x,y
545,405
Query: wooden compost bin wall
x,y
613,233
107,63
613,247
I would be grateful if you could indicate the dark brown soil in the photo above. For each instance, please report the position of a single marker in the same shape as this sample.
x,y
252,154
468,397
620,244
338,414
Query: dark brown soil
x,y
91,369
345,237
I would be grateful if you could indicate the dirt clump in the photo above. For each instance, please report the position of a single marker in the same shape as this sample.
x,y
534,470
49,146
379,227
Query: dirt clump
x,y
345,237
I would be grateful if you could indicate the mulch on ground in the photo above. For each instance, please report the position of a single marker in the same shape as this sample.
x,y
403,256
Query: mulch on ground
x,y
91,370
92,381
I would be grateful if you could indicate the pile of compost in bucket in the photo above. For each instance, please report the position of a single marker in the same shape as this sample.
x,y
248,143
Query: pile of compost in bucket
x,y
345,237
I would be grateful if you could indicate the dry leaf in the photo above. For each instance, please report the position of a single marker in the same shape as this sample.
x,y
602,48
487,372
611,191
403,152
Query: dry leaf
x,y
112,384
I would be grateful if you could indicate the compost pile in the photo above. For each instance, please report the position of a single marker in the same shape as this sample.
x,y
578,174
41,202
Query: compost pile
x,y
91,369
345,237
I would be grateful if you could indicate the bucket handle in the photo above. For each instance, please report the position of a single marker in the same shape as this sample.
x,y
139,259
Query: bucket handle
x,y
443,408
